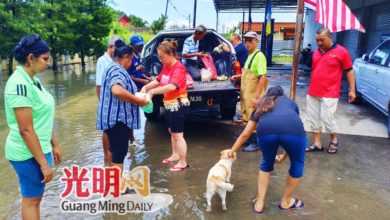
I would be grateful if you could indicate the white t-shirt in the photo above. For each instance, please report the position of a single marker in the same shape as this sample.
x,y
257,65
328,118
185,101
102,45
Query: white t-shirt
x,y
102,63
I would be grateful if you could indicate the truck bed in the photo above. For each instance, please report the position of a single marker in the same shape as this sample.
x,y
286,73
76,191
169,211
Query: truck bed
x,y
212,86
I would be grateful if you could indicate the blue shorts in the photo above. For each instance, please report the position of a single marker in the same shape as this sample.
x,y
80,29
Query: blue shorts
x,y
30,176
293,144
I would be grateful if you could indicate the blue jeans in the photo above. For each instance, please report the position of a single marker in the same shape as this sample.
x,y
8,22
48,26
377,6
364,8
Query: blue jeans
x,y
294,146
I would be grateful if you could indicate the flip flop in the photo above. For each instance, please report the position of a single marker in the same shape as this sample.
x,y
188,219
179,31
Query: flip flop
x,y
314,148
333,150
253,206
293,206
167,160
176,168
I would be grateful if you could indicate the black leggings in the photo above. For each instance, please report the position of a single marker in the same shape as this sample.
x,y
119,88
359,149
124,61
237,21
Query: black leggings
x,y
118,137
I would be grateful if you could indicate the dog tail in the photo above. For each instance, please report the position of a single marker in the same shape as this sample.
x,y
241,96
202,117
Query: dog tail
x,y
229,187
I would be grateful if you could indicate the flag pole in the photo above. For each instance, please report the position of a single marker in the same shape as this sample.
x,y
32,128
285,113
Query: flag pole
x,y
297,48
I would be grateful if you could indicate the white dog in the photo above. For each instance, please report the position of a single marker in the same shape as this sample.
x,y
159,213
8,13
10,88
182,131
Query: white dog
x,y
219,178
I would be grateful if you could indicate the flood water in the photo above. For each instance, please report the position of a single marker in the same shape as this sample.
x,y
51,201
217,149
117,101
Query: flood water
x,y
354,184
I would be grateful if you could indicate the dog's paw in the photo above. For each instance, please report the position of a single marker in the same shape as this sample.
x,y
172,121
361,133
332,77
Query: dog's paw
x,y
224,207
230,188
208,209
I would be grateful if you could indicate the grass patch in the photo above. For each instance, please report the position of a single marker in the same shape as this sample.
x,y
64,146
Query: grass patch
x,y
282,59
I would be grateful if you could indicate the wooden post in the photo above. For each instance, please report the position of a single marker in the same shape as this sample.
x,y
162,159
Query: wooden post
x,y
297,48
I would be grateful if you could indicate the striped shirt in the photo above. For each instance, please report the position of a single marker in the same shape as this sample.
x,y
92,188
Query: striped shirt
x,y
112,110
190,47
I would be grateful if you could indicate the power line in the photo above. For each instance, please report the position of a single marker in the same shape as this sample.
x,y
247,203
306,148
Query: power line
x,y
174,7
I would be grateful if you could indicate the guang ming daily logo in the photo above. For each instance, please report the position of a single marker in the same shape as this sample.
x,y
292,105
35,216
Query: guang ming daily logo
x,y
98,190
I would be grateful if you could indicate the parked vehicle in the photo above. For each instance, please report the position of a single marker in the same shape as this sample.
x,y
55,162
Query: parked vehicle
x,y
373,78
202,94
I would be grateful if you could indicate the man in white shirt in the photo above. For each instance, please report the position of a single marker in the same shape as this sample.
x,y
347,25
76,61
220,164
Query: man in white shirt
x,y
190,53
102,63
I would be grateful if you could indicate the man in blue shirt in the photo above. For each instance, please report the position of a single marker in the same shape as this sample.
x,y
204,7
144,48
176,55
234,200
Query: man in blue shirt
x,y
191,53
136,70
241,52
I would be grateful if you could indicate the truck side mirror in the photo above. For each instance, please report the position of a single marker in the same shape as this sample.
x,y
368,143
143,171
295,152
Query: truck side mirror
x,y
365,57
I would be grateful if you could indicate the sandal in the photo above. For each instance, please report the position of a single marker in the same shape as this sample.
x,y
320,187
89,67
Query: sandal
x,y
254,209
314,148
176,168
167,160
333,150
293,206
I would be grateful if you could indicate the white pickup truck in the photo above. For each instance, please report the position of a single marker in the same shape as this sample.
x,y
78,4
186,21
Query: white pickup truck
x,y
373,78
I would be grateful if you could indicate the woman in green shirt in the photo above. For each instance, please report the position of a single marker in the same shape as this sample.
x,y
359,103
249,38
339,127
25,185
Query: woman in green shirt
x,y
29,111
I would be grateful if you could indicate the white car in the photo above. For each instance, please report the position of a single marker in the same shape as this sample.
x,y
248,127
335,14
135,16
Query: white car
x,y
373,78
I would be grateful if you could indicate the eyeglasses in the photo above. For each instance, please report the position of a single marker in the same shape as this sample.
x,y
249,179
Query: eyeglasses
x,y
162,57
248,40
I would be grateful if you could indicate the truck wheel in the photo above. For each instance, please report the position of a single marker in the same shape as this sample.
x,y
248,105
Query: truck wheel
x,y
227,112
155,115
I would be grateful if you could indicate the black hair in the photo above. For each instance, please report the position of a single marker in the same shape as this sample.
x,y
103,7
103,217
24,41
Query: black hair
x,y
122,49
267,102
30,44
324,30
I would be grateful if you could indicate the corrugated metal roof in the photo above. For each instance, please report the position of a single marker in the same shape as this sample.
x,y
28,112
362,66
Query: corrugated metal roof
x,y
243,5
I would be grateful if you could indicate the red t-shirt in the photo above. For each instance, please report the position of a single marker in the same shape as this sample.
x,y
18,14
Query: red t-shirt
x,y
175,75
327,71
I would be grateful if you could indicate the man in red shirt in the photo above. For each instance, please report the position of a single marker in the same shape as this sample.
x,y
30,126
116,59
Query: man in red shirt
x,y
330,60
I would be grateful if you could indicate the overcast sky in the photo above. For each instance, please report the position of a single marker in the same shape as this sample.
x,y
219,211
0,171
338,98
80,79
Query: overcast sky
x,y
150,10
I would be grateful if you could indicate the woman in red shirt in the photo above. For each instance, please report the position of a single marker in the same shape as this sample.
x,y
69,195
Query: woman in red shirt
x,y
171,82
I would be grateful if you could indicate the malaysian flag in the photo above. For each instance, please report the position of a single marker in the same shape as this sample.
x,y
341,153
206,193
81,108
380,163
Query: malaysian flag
x,y
335,15
312,4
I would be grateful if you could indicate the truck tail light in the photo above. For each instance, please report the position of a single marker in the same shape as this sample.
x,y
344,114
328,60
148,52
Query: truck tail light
x,y
237,68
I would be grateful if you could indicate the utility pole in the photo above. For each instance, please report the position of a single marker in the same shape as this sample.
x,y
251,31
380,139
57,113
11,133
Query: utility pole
x,y
216,26
189,20
194,22
166,10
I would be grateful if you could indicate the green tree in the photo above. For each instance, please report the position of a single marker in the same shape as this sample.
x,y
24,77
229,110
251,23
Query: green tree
x,y
159,24
93,24
137,21
24,12
230,33
59,16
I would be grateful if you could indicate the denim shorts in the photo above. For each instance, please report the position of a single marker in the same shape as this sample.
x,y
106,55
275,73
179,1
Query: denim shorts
x,y
30,176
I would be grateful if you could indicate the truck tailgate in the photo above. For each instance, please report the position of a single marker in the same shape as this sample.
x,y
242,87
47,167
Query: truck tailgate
x,y
213,86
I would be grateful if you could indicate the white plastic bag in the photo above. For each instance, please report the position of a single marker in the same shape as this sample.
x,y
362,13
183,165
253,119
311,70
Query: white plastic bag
x,y
206,75
144,96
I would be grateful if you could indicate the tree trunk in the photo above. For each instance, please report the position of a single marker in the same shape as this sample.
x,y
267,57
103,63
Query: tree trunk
x,y
82,59
55,64
10,64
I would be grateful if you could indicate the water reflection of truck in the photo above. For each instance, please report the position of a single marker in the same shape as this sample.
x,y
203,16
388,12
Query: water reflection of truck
x,y
203,94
